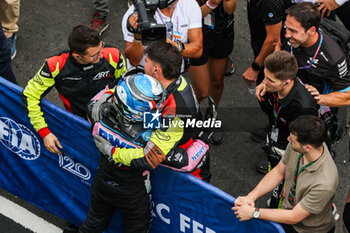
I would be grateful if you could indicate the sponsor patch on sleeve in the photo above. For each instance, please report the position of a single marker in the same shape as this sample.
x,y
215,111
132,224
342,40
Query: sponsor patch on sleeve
x,y
343,69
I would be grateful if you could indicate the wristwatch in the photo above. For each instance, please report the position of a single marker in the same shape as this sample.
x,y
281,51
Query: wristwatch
x,y
256,213
180,46
255,66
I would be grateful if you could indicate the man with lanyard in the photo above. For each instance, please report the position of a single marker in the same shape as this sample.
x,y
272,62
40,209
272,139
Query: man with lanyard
x,y
183,21
265,19
78,75
322,63
311,182
287,99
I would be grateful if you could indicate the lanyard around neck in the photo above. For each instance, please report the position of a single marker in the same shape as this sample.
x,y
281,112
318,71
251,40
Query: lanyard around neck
x,y
292,191
164,17
297,172
315,55
276,109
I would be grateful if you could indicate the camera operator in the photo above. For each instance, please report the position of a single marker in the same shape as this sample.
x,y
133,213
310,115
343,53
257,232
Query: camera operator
x,y
183,21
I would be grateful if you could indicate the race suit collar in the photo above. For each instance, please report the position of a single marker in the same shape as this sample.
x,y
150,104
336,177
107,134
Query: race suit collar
x,y
174,85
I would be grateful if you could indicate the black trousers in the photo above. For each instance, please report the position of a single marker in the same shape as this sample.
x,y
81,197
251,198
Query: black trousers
x,y
107,196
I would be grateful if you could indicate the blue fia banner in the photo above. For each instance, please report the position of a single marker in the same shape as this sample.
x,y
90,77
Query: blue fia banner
x,y
60,184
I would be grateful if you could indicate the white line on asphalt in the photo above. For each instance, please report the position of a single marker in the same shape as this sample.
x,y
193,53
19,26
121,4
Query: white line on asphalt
x,y
25,218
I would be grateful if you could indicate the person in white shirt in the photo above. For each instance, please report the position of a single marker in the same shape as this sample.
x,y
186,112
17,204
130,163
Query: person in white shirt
x,y
183,19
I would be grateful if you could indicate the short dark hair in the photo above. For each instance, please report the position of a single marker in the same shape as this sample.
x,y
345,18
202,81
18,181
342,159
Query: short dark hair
x,y
309,129
306,14
282,64
168,56
82,37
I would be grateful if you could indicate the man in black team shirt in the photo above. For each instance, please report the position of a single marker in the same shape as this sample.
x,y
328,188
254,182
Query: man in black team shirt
x,y
322,63
265,21
286,98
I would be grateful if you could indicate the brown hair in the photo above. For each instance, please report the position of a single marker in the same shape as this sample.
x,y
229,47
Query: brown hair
x,y
282,64
306,14
309,129
168,56
83,37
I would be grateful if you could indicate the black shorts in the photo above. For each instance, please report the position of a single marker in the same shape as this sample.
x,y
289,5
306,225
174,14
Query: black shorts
x,y
215,45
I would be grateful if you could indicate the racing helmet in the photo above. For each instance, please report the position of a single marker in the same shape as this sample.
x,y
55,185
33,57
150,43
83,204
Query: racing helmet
x,y
136,94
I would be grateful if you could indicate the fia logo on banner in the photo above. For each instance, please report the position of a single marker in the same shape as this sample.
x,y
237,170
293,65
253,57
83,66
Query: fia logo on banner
x,y
19,139
151,120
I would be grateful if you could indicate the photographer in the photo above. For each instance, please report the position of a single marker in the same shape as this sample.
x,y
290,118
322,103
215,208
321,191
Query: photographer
x,y
183,21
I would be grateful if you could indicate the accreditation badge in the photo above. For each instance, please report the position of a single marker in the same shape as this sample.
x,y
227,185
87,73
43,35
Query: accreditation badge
x,y
209,20
274,134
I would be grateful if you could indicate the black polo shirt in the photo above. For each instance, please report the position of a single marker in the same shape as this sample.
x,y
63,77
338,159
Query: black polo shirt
x,y
298,102
262,13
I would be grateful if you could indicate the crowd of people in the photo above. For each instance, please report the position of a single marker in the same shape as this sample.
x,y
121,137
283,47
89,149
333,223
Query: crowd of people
x,y
299,75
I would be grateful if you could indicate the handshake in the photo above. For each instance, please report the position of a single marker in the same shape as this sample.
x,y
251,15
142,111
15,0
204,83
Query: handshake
x,y
244,208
